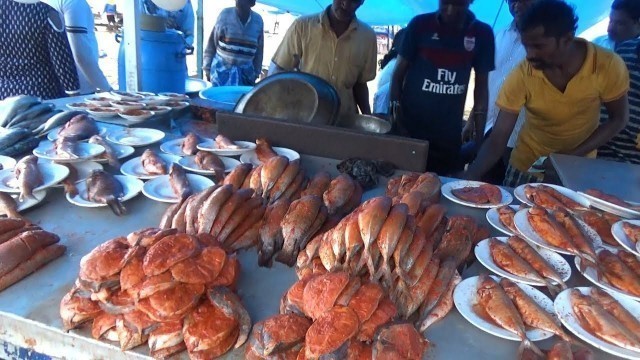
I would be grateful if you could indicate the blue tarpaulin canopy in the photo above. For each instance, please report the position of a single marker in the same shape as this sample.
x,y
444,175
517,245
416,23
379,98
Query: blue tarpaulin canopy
x,y
399,12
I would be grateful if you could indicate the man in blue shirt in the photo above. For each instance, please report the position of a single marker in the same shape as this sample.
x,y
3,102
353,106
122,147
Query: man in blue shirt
x,y
429,84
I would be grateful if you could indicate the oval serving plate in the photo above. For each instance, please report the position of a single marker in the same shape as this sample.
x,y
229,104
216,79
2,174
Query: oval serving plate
x,y
483,254
465,297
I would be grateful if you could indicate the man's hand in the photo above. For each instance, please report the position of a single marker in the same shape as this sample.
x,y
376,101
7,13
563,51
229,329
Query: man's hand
x,y
468,131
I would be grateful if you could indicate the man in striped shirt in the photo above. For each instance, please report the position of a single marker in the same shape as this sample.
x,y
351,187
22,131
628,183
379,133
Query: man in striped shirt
x,y
625,147
233,55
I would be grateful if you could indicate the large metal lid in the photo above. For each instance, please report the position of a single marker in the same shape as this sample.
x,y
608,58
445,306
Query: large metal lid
x,y
294,97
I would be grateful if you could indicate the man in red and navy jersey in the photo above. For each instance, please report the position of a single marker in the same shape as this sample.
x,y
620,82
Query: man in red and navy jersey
x,y
430,81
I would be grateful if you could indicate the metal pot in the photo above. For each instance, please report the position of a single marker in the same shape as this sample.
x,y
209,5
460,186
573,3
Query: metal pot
x,y
366,123
294,97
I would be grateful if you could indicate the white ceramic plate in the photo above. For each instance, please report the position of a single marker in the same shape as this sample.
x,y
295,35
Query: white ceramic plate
x,y
176,105
7,162
174,96
159,189
155,100
137,118
125,96
122,151
28,202
98,101
158,109
51,175
103,129
130,185
83,151
109,113
592,275
127,105
612,208
210,145
189,163
483,254
623,239
450,186
173,147
563,309
252,158
465,296
136,136
494,219
519,193
521,222
83,169
134,167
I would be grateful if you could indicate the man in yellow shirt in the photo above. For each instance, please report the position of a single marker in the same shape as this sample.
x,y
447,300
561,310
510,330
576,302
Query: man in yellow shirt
x,y
561,84
337,47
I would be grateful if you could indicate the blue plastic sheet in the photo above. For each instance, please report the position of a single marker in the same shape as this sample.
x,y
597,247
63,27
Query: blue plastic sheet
x,y
399,12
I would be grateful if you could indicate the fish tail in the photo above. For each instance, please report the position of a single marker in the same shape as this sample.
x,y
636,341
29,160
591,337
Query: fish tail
x,y
116,206
526,344
553,289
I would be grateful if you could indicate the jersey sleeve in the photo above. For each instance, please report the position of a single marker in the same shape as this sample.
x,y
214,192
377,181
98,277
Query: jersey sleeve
x,y
484,59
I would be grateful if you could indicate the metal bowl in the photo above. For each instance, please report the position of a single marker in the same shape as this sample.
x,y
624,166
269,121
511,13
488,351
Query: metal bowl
x,y
294,97
366,123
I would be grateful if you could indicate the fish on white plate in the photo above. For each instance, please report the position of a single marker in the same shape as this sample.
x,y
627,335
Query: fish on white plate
x,y
581,311
100,195
160,188
252,157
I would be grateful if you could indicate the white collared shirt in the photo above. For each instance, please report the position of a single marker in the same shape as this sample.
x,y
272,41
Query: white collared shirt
x,y
509,53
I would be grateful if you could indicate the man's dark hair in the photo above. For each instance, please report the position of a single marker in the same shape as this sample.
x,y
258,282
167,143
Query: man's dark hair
x,y
556,17
395,49
630,7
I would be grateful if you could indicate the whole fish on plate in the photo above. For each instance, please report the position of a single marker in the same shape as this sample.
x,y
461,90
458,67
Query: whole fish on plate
x,y
264,151
569,203
28,175
190,144
550,230
510,262
104,188
209,161
69,182
224,143
596,320
611,268
152,163
506,215
613,307
578,237
496,304
632,231
600,225
9,206
532,314
65,147
109,152
179,182
530,255
80,127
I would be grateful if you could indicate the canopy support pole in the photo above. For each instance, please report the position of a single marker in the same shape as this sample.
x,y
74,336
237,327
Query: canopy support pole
x,y
131,30
199,37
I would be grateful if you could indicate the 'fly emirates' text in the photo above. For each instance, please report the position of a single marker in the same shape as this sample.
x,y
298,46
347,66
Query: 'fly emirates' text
x,y
445,85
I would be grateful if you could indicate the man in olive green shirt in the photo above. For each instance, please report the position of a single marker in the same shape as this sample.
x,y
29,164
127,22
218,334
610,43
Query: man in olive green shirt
x,y
337,47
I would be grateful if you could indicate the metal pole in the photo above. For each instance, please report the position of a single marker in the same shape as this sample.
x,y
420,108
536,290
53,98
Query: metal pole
x,y
131,30
199,38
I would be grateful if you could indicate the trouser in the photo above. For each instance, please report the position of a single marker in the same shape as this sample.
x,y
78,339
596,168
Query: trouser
x,y
514,177
444,162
